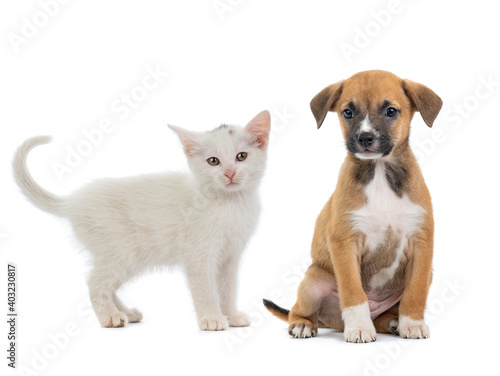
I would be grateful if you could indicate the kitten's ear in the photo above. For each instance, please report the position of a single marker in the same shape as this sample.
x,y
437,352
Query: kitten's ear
x,y
259,127
189,139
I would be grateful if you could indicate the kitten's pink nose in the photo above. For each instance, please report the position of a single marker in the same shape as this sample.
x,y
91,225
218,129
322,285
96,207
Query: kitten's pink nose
x,y
230,174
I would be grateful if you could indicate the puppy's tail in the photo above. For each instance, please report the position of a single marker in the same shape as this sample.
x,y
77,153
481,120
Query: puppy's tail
x,y
283,313
41,198
276,310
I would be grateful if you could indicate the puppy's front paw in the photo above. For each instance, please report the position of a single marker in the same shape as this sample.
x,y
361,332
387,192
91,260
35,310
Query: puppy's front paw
x,y
213,323
302,330
358,327
239,319
415,329
360,335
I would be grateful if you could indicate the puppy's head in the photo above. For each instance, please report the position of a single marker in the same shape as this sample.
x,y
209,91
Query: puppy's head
x,y
375,109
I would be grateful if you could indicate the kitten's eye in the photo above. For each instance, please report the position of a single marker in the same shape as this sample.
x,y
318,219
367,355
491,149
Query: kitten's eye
x,y
212,161
241,156
347,113
391,112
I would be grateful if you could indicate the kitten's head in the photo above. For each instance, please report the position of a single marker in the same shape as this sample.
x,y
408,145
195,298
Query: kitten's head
x,y
228,158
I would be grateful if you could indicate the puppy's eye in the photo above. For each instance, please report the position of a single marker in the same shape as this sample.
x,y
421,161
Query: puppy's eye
x,y
391,112
347,113
212,161
241,156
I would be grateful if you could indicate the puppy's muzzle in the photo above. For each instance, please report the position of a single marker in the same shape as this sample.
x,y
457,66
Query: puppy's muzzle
x,y
368,145
366,139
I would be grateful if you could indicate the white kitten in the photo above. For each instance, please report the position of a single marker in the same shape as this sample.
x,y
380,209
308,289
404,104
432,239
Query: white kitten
x,y
200,221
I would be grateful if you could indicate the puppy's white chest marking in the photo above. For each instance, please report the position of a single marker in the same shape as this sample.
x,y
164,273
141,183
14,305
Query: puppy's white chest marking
x,y
384,210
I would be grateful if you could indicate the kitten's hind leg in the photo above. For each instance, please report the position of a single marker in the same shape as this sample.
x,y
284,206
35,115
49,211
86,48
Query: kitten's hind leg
x,y
133,314
103,284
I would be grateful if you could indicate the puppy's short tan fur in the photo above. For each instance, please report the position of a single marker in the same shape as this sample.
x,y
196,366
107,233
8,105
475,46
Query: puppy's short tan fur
x,y
373,242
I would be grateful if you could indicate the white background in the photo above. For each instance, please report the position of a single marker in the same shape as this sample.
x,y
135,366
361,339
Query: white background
x,y
226,66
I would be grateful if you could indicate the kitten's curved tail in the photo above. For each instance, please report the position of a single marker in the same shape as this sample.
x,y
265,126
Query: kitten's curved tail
x,y
41,198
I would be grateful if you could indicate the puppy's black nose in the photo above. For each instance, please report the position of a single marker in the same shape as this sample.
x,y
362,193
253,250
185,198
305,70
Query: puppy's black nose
x,y
365,139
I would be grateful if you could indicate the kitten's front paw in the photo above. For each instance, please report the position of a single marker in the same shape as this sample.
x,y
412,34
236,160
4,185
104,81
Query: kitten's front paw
x,y
134,316
239,319
414,329
115,320
213,323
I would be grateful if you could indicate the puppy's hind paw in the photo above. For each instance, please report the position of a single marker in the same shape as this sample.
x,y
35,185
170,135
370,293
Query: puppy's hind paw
x,y
302,330
393,324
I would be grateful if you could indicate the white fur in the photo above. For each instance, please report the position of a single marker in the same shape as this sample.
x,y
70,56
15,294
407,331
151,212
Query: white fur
x,y
409,328
384,275
368,155
196,221
358,326
366,126
302,331
385,209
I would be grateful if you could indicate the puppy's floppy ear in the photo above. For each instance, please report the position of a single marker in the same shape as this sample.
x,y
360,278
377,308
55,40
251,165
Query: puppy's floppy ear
x,y
325,100
424,100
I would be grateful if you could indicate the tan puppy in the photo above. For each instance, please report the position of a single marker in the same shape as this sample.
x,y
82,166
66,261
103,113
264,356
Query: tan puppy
x,y
373,243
